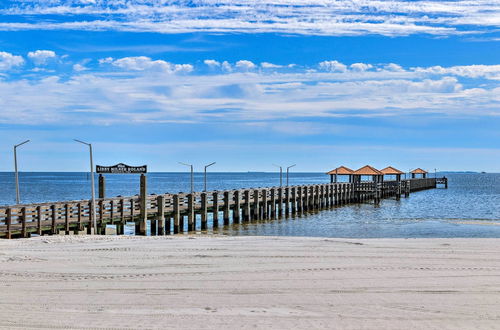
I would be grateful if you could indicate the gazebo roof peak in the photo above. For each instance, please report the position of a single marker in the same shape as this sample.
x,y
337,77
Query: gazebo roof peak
x,y
419,171
367,170
342,170
389,170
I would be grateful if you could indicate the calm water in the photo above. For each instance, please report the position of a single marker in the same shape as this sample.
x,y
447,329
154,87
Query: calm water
x,y
469,208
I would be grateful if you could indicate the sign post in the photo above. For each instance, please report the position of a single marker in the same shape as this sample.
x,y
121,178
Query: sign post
x,y
126,169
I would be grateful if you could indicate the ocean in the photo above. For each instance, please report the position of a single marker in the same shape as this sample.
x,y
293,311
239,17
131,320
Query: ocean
x,y
470,207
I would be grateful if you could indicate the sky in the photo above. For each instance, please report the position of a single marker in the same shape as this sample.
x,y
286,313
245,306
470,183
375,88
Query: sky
x,y
249,84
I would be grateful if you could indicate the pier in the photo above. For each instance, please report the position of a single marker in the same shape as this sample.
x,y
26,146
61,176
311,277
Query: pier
x,y
185,212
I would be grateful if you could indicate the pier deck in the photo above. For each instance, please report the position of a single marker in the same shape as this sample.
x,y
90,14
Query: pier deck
x,y
168,212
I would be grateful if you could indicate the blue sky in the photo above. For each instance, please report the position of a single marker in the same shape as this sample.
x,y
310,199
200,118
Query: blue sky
x,y
251,83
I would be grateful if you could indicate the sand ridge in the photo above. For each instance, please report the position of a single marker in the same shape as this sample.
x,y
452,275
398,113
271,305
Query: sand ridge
x,y
208,282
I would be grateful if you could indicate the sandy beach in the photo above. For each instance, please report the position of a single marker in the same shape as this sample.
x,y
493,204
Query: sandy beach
x,y
199,282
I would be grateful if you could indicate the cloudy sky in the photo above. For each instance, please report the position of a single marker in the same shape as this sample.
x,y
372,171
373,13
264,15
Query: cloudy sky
x,y
251,83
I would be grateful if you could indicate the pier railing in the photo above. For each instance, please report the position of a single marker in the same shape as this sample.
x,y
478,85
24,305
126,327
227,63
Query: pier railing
x,y
168,212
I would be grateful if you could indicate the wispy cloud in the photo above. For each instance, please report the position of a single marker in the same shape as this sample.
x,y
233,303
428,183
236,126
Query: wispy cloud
x,y
309,17
141,89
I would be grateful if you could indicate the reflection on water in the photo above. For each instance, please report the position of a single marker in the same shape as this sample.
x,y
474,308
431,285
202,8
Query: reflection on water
x,y
469,208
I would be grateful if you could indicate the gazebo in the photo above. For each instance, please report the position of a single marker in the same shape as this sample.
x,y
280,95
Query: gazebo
x,y
342,170
418,171
389,170
367,170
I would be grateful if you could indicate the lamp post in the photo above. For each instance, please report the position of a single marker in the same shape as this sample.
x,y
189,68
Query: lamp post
x,y
18,197
192,175
205,176
94,218
287,172
281,174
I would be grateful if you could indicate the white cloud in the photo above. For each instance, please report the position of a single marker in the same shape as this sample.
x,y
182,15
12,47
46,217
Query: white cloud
x,y
41,57
360,67
309,17
333,66
212,63
267,65
79,67
144,63
9,61
245,65
226,66
106,60
393,67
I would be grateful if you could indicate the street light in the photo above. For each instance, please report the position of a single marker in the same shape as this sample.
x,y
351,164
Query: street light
x,y
205,175
192,178
18,197
94,218
281,174
287,172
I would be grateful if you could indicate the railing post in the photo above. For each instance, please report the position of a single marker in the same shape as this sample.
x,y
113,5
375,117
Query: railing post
x,y
9,223
143,204
39,219
177,214
273,204
204,215
54,216
160,217
237,206
191,215
294,200
226,208
256,210
247,215
215,209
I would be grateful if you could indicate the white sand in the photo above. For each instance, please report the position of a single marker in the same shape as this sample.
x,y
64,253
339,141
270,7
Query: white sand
x,y
249,282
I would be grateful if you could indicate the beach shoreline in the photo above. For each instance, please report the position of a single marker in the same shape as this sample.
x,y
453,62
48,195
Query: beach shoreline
x,y
206,282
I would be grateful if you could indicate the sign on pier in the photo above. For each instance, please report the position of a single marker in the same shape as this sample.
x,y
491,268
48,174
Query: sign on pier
x,y
121,169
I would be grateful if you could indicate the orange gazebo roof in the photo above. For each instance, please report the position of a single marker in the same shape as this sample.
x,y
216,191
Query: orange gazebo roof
x,y
367,170
342,170
389,170
419,171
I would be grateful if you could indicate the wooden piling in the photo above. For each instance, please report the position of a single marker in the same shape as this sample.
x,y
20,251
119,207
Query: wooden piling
x,y
215,209
204,211
236,207
247,212
273,204
191,215
160,217
256,210
177,214
226,208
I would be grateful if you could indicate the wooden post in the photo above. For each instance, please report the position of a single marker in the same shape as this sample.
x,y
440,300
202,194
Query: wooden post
x,y
299,200
191,215
247,213
23,223
265,205
287,202
177,214
272,214
144,205
204,208
53,227
102,186
294,200
326,188
226,208
215,209
256,213
9,223
121,204
280,203
66,218
305,199
321,197
237,206
39,219
160,217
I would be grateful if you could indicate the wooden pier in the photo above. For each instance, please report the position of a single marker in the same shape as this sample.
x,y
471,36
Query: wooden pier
x,y
178,213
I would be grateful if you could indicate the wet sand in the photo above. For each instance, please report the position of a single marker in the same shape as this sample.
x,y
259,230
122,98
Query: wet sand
x,y
201,282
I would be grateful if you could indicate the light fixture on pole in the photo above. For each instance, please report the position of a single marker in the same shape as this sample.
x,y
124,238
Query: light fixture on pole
x,y
192,175
18,195
281,174
205,176
288,171
94,218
